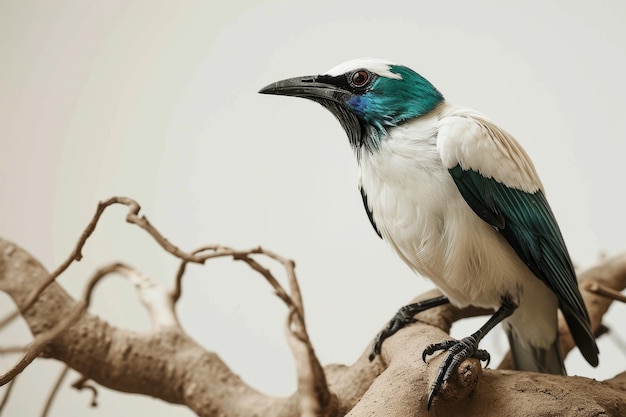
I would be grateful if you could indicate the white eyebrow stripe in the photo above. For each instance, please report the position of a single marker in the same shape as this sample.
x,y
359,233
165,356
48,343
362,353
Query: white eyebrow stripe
x,y
377,66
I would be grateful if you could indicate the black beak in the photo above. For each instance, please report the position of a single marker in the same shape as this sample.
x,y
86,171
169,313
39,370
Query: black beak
x,y
310,87
331,93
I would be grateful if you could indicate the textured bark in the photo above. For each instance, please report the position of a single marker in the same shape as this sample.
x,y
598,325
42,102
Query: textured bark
x,y
169,365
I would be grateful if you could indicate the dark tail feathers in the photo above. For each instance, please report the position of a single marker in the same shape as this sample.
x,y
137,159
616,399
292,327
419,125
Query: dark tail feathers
x,y
534,359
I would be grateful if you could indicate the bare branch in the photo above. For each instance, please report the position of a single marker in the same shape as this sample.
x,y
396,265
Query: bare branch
x,y
76,255
609,274
54,391
128,361
133,362
599,289
161,305
314,394
156,299
7,393
34,348
11,349
81,384
178,283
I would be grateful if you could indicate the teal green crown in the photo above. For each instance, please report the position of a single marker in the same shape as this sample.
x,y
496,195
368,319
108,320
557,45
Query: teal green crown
x,y
389,101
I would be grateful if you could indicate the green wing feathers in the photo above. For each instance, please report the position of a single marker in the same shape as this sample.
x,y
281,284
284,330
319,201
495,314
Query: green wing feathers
x,y
526,221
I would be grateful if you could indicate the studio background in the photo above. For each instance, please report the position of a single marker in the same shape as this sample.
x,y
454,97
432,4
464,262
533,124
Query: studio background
x,y
157,100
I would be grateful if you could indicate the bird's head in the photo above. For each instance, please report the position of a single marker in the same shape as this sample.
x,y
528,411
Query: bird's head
x,y
368,97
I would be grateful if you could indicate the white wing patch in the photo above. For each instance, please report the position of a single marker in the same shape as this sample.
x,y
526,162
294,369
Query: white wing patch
x,y
468,138
377,66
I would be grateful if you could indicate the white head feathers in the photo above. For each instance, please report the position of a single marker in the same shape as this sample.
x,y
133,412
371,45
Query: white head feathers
x,y
377,66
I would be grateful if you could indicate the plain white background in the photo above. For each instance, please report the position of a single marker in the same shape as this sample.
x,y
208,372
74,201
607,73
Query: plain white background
x,y
157,100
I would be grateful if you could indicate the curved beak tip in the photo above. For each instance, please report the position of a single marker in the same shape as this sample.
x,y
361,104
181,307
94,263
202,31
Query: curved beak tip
x,y
308,87
269,89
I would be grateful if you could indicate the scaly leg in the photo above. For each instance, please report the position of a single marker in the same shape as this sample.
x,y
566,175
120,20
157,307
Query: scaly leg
x,y
459,350
403,317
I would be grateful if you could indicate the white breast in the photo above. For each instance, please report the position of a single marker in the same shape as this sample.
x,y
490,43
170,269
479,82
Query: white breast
x,y
420,212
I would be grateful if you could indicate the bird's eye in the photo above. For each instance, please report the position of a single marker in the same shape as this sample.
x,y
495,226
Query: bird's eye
x,y
359,78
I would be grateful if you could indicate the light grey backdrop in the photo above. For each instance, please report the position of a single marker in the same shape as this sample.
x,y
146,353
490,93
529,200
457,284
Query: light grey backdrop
x,y
157,100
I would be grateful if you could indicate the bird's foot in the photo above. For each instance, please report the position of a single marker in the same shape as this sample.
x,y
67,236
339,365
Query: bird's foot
x,y
403,317
457,352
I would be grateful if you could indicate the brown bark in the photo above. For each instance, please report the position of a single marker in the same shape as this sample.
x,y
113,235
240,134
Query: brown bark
x,y
168,364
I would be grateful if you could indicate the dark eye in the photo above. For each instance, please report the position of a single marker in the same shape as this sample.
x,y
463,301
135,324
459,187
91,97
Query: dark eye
x,y
359,78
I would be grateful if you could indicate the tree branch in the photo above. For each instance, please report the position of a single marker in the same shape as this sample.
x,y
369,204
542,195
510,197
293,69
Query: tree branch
x,y
54,391
396,383
129,361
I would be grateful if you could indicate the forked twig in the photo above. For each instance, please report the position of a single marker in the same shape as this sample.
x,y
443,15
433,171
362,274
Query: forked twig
x,y
312,384
132,217
315,396
34,348
82,384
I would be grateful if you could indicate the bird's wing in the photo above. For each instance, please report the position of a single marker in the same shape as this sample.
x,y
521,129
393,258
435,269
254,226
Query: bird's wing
x,y
368,210
499,182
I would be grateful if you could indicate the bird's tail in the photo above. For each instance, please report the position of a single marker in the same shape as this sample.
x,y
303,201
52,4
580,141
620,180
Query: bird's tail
x,y
535,359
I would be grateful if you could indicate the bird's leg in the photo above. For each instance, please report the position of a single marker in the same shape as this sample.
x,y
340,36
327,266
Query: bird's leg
x,y
459,350
403,317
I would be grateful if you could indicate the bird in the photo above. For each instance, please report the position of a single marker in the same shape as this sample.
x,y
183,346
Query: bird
x,y
460,202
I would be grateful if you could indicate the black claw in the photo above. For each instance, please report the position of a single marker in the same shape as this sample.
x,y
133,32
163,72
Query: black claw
x,y
483,356
403,317
457,352
445,345
465,348
431,397
399,321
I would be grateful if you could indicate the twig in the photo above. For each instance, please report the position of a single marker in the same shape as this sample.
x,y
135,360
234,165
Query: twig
x,y
55,390
219,251
132,217
11,349
157,300
315,397
82,384
34,348
294,288
312,386
7,393
75,255
154,297
605,291
177,291
278,289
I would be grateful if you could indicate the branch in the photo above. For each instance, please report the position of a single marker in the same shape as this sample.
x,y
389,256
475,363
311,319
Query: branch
x,y
395,384
132,217
7,394
314,395
54,391
36,347
135,362
129,361
157,300
499,392
81,384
